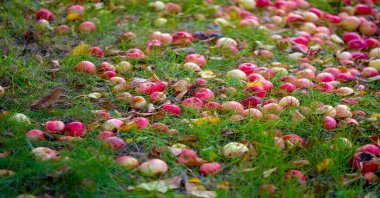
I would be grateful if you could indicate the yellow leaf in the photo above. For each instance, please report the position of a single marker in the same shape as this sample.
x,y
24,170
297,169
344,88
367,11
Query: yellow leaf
x,y
223,186
82,49
375,115
127,126
360,93
213,119
73,16
194,180
128,140
205,120
255,83
323,165
207,75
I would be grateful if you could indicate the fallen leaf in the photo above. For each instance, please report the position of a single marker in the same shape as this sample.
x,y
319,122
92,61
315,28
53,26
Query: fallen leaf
x,y
249,169
151,108
197,161
128,126
371,195
207,75
180,95
360,93
236,118
268,172
197,190
207,120
48,100
73,16
5,154
181,85
39,58
223,186
154,78
343,69
114,52
194,180
95,95
228,132
297,116
94,125
255,83
161,185
4,173
323,165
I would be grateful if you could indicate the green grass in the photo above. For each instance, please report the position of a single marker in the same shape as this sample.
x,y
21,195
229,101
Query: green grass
x,y
90,170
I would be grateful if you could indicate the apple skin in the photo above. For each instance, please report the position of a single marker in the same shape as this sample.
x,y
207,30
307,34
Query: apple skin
x,y
115,142
76,129
212,168
128,162
153,168
35,134
369,162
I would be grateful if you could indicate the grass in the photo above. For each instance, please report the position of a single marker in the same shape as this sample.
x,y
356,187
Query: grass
x,y
90,170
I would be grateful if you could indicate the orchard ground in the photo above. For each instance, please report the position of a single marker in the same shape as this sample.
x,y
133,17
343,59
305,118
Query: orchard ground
x,y
88,167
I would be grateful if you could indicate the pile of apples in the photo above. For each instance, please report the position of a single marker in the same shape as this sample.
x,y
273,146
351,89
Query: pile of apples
x,y
354,34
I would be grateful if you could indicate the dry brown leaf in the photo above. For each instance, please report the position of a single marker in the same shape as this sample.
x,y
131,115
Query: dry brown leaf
x,y
4,173
114,52
197,190
236,118
223,186
39,58
154,78
228,132
128,126
181,85
94,125
121,87
48,100
371,195
55,64
5,154
297,116
195,161
159,116
343,69
180,95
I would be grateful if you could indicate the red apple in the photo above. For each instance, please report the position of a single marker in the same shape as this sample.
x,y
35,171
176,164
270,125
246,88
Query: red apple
x,y
55,126
153,168
212,168
76,129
